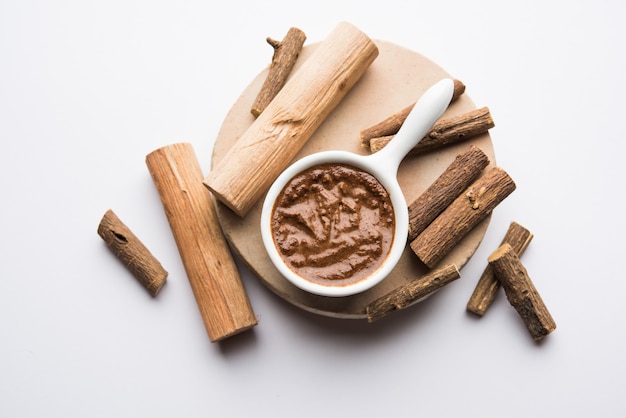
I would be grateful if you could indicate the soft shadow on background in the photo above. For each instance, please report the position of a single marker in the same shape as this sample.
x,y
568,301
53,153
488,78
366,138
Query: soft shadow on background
x,y
89,88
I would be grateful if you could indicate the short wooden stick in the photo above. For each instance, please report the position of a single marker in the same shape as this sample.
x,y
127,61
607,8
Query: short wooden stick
x,y
411,292
488,286
132,252
205,254
285,56
465,212
274,138
391,125
465,168
446,131
521,292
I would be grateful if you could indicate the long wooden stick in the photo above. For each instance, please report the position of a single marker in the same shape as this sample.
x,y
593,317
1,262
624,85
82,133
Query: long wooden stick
x,y
488,286
465,212
274,138
446,131
521,292
465,168
209,265
391,125
285,56
411,292
132,252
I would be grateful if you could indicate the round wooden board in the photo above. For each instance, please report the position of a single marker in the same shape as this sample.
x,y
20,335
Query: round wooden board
x,y
395,80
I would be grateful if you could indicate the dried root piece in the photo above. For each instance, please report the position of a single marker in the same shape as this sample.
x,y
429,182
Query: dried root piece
x,y
521,292
465,169
392,124
446,131
131,251
465,212
411,292
488,286
285,56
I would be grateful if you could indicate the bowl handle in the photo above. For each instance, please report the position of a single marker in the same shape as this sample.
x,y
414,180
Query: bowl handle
x,y
430,106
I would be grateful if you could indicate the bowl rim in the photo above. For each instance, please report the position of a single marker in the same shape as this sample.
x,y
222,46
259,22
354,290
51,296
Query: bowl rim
x,y
389,182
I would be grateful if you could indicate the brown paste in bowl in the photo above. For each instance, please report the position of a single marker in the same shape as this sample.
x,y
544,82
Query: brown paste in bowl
x,y
333,224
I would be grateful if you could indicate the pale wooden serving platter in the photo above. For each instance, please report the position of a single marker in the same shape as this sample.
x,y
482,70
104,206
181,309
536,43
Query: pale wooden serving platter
x,y
395,80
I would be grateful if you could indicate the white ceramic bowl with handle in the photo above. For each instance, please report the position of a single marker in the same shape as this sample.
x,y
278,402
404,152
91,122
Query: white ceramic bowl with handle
x,y
383,165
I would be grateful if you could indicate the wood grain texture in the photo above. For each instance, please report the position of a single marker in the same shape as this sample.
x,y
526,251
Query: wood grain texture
x,y
209,265
132,252
521,291
465,168
286,53
271,142
398,76
465,212
392,124
488,286
412,292
446,131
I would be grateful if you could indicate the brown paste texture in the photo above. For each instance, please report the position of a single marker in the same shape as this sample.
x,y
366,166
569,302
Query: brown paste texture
x,y
333,224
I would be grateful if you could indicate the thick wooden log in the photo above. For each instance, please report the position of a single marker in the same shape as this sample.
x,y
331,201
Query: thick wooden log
x,y
132,252
208,262
521,292
274,138
488,286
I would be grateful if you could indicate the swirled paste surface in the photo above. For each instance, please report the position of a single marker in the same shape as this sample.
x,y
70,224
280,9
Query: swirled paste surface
x,y
333,224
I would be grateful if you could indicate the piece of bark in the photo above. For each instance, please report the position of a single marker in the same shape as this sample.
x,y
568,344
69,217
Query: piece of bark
x,y
391,125
411,292
446,131
284,58
465,212
521,291
274,138
465,168
132,252
208,262
488,286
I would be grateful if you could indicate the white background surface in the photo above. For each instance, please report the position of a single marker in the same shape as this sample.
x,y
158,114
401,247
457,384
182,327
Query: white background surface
x,y
88,88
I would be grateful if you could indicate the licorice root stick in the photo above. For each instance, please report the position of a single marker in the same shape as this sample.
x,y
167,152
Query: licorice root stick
x,y
285,56
205,254
521,292
465,212
446,131
488,286
132,252
391,125
411,292
465,168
